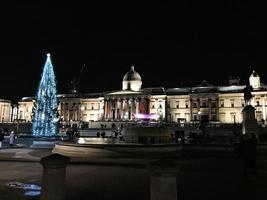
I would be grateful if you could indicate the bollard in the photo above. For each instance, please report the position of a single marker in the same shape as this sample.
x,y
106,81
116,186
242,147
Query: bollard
x,y
54,173
163,180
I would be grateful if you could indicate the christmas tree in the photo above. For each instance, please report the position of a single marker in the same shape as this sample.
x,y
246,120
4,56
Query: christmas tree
x,y
45,119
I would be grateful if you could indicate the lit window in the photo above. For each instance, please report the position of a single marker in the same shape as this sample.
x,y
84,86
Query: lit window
x,y
232,103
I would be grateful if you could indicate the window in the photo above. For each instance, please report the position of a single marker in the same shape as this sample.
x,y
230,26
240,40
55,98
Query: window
x,y
160,106
177,104
85,117
232,103
257,103
195,117
213,105
186,104
153,106
204,105
222,103
213,117
177,116
194,105
222,117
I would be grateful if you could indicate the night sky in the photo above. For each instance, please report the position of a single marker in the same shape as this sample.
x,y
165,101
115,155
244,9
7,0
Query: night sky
x,y
169,45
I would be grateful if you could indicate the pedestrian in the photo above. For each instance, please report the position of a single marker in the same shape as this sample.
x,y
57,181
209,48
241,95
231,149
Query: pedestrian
x,y
1,137
248,152
11,139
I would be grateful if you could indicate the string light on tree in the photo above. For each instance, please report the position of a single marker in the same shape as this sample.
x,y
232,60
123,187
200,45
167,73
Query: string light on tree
x,y
45,119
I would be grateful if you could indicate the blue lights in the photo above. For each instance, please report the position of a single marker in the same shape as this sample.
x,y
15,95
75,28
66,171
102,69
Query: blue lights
x,y
45,120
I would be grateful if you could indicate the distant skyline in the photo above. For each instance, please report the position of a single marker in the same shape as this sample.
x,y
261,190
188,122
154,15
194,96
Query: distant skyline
x,y
169,45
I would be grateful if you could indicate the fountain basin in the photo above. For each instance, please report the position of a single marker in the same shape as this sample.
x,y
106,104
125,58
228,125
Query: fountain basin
x,y
114,150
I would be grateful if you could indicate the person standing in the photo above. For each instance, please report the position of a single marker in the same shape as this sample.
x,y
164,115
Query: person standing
x,y
11,139
248,152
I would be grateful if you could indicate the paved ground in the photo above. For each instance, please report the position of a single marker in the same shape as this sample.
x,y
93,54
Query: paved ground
x,y
210,178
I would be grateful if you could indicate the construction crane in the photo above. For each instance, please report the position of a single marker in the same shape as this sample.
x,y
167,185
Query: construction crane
x,y
76,81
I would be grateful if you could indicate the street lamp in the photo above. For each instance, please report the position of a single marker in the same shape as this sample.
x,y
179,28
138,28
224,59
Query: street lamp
x,y
199,113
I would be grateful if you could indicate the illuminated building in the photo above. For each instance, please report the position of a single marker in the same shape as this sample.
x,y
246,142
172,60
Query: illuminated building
x,y
216,104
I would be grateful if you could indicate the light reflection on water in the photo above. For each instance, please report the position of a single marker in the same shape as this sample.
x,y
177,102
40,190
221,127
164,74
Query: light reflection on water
x,y
32,193
30,189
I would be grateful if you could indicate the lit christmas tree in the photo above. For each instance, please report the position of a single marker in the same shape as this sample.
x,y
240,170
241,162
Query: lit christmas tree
x,y
45,119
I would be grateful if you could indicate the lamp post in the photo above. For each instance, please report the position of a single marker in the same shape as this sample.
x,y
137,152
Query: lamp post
x,y
234,125
81,116
199,115
234,119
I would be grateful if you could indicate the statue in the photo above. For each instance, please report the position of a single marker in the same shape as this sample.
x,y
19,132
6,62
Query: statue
x,y
247,94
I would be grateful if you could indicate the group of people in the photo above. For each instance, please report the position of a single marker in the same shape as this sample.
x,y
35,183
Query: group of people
x,y
72,133
11,138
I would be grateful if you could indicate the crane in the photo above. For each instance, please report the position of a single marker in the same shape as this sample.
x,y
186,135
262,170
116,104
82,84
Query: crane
x,y
76,81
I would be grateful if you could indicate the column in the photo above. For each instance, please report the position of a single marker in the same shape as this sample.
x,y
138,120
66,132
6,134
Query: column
x,y
105,108
191,109
263,109
115,107
137,106
163,180
54,173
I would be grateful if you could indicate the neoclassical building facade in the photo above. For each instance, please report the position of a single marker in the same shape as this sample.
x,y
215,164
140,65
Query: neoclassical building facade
x,y
215,104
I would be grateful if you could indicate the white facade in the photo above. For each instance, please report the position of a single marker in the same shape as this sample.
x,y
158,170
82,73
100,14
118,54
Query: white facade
x,y
92,109
25,109
5,110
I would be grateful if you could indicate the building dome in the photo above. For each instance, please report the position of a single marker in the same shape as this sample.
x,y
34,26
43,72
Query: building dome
x,y
254,74
132,80
132,75
254,80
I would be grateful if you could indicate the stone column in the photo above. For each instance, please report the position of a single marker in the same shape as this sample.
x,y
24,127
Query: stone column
x,y
191,109
109,108
132,107
54,173
263,109
137,106
115,108
163,180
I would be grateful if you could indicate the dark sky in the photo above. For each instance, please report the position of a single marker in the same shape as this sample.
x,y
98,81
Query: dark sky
x,y
170,45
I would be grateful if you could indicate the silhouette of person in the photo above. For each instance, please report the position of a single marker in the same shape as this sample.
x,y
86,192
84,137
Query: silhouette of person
x,y
248,152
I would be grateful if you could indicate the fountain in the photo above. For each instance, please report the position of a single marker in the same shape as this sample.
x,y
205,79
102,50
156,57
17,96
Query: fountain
x,y
147,135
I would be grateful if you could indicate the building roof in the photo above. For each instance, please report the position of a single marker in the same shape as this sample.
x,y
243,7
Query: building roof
x,y
178,91
231,88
